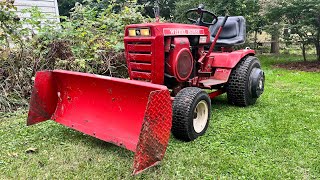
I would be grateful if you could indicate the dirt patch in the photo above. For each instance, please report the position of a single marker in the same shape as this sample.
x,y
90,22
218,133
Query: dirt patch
x,y
309,66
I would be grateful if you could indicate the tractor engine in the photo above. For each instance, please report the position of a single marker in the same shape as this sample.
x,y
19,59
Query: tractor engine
x,y
163,53
179,61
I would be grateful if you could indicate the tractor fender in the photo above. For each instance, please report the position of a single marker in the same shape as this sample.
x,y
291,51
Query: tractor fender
x,y
230,60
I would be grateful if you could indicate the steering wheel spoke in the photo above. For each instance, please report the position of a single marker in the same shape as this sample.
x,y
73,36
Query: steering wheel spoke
x,y
192,20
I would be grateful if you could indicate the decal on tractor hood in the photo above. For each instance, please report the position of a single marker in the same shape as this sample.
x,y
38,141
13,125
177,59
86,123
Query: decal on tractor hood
x,y
179,31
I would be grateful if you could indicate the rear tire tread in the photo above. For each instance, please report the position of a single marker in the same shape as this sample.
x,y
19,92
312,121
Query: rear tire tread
x,y
237,92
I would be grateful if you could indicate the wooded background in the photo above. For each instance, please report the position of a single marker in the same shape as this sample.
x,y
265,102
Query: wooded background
x,y
272,23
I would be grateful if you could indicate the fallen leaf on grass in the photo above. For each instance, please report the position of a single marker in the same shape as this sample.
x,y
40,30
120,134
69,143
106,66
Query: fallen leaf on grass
x,y
41,164
13,154
31,150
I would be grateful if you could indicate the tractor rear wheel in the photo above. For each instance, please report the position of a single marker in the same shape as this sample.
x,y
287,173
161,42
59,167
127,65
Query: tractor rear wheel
x,y
191,113
246,82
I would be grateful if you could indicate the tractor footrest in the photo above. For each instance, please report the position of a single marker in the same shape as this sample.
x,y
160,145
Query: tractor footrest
x,y
204,74
208,83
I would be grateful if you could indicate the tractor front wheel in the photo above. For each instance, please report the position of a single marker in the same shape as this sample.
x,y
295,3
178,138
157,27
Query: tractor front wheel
x,y
246,82
191,113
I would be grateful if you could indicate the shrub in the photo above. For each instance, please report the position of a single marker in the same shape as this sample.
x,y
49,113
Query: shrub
x,y
90,40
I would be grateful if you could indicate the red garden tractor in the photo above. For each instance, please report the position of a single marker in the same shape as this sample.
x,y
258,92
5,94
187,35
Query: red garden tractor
x,y
172,68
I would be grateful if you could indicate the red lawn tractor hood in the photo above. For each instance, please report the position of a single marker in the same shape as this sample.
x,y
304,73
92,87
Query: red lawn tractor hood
x,y
172,29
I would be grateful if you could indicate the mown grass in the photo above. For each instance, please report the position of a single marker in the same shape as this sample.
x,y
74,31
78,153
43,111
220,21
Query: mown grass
x,y
278,138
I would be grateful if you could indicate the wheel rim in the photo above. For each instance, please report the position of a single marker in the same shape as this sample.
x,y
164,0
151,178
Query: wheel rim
x,y
257,82
200,118
261,84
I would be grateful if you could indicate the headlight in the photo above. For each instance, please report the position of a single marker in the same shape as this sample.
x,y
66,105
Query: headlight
x,y
145,32
139,32
132,32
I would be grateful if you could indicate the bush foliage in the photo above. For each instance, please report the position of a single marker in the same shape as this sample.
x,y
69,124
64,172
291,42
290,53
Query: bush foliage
x,y
90,40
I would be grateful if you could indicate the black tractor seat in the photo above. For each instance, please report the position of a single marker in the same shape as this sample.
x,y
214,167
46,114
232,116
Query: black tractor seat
x,y
233,33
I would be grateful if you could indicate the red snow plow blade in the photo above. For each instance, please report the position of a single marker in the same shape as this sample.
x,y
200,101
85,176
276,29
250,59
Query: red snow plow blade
x,y
132,114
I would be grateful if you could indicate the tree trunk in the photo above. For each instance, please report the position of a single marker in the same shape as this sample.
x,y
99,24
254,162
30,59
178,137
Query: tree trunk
x,y
275,43
317,44
318,51
255,39
304,51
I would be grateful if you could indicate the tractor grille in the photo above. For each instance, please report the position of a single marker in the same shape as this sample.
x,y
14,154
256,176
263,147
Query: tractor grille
x,y
139,59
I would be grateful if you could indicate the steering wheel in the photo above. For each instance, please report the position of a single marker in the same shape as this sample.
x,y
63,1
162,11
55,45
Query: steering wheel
x,y
200,10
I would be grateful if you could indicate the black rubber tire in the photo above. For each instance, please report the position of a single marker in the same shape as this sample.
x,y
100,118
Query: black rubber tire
x,y
238,86
184,105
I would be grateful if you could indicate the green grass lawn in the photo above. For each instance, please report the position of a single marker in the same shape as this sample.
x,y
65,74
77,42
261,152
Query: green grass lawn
x,y
277,138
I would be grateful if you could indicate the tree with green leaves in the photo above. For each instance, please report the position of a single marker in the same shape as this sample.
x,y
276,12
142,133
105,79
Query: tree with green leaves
x,y
250,9
274,22
166,7
9,24
66,5
302,17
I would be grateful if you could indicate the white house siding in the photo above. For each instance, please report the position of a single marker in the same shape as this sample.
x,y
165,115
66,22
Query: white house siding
x,y
48,7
